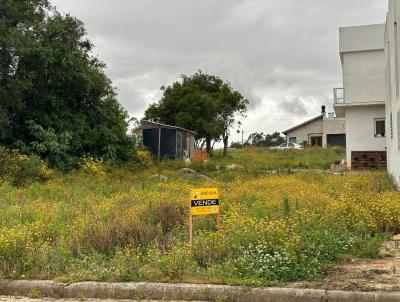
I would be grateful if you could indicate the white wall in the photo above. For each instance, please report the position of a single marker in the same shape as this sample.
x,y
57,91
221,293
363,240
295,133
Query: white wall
x,y
360,129
392,53
364,76
360,38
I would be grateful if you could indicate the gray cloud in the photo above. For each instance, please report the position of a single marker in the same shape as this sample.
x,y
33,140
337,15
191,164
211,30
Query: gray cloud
x,y
294,106
282,55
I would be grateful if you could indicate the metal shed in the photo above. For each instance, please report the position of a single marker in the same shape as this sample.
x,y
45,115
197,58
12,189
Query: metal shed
x,y
166,141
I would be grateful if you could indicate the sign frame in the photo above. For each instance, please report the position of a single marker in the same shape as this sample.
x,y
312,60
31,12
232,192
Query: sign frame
x,y
203,202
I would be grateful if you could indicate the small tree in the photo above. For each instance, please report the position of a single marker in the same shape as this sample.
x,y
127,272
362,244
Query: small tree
x,y
230,106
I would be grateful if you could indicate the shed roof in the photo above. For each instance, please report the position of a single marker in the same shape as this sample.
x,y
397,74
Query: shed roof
x,y
160,125
303,124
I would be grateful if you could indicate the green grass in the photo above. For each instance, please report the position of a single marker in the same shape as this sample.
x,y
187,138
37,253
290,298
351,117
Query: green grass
x,y
262,159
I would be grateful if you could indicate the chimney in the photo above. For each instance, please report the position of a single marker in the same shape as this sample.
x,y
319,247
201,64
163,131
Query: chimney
x,y
323,109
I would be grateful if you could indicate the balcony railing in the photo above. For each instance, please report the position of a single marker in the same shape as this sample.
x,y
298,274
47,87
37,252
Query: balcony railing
x,y
338,96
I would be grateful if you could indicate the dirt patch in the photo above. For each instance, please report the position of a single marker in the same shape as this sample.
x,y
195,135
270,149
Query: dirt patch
x,y
363,274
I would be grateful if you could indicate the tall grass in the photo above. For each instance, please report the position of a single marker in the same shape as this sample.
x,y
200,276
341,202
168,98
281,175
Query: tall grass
x,y
123,225
261,159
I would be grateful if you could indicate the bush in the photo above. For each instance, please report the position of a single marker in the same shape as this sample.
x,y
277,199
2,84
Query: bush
x,y
143,159
203,166
22,169
124,265
176,263
93,167
169,215
210,248
279,266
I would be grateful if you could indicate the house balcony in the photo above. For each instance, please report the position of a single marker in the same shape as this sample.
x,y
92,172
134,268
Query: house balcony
x,y
339,102
338,96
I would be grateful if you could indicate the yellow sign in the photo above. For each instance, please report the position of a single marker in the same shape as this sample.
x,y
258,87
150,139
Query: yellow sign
x,y
204,201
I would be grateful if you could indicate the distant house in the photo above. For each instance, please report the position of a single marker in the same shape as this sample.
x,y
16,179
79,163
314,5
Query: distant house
x,y
323,130
168,142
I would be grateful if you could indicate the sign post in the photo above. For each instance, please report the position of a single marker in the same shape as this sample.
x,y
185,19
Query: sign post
x,y
203,201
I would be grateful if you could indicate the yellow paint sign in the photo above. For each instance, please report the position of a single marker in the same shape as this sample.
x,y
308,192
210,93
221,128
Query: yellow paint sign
x,y
204,201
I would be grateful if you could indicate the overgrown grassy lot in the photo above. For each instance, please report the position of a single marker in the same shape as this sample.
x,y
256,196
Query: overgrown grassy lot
x,y
260,160
120,224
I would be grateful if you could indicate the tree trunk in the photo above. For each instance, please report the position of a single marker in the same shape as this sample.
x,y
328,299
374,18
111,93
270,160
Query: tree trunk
x,y
225,145
208,145
202,144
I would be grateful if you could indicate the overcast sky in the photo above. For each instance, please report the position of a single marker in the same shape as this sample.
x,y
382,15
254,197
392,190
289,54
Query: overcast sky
x,y
280,54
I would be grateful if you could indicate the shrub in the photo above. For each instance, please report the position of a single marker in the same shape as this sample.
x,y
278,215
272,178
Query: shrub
x,y
104,233
93,167
210,248
169,215
279,266
175,263
143,159
124,265
203,166
22,169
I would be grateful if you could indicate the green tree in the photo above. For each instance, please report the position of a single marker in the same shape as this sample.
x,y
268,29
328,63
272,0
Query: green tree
x,y
256,139
274,139
203,103
50,80
231,105
269,140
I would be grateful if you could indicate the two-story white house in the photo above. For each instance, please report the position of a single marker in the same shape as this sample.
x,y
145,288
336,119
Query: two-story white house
x,y
361,101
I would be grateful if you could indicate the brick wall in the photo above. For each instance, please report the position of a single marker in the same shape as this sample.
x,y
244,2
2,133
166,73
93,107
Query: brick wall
x,y
363,160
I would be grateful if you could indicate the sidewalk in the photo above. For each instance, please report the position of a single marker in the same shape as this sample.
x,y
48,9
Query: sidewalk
x,y
184,292
24,299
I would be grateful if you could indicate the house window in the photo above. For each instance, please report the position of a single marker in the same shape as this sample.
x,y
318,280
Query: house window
x,y
292,139
379,127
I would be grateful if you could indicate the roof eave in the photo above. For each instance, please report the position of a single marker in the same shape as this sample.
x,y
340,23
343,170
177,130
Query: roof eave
x,y
167,126
303,124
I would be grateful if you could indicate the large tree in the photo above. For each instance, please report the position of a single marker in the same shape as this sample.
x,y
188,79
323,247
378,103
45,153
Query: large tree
x,y
51,83
203,103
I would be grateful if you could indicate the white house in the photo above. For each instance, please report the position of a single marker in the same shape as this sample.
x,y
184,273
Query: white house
x,y
392,88
361,101
323,130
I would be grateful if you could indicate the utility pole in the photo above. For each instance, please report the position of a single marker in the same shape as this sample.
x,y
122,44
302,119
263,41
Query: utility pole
x,y
242,138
